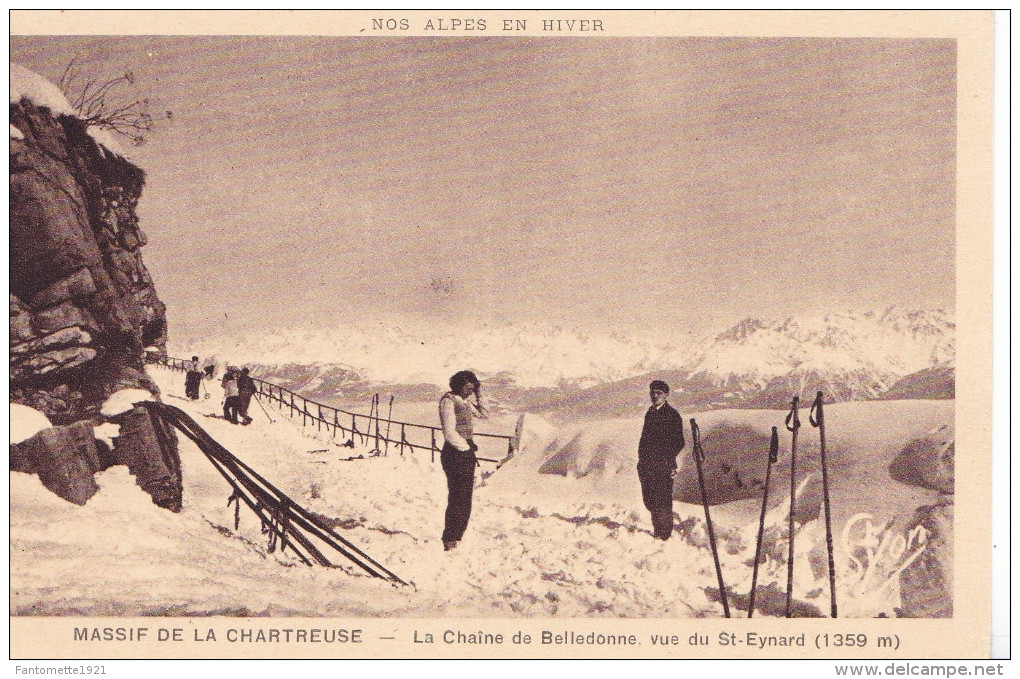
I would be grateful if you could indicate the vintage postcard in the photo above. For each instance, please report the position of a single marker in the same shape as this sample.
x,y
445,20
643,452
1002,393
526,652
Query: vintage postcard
x,y
500,334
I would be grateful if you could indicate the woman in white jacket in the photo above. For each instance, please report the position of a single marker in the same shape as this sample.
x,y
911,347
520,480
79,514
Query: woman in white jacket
x,y
457,411
230,398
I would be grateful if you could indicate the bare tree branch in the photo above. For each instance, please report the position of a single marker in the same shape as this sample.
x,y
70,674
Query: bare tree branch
x,y
99,102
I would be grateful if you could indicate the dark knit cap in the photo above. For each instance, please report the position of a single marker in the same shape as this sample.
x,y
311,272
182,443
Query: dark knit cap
x,y
660,385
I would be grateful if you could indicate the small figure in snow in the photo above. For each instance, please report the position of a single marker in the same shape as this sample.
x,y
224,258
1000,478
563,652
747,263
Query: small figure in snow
x,y
230,392
662,439
209,366
245,390
192,378
456,415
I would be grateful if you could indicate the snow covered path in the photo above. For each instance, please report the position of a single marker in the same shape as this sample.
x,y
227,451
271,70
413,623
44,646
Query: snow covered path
x,y
537,545
121,555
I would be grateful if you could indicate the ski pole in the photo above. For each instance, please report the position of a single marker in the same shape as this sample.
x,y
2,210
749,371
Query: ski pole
x,y
699,456
816,416
773,457
378,414
259,401
373,413
389,422
792,425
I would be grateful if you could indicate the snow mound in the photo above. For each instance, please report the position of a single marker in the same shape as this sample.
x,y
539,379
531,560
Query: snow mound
x,y
600,451
124,400
535,432
35,500
26,422
586,459
120,493
26,84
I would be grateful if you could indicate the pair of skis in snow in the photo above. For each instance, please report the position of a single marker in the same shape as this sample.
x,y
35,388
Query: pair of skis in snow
x,y
816,417
287,523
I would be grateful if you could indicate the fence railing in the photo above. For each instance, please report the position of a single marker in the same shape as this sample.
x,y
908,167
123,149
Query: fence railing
x,y
381,431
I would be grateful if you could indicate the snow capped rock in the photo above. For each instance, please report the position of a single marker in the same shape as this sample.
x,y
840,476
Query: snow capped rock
x,y
26,422
26,84
123,401
106,432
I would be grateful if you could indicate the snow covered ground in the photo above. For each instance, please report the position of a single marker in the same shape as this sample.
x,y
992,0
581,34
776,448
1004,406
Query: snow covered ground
x,y
572,544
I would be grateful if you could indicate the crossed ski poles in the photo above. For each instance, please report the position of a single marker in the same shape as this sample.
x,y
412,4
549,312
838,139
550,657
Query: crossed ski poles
x,y
816,417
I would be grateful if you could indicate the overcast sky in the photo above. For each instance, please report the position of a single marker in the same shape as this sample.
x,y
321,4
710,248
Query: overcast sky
x,y
604,183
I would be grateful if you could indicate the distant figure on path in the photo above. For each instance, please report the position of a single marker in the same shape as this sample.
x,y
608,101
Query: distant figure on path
x,y
230,399
456,414
192,378
662,439
245,390
209,366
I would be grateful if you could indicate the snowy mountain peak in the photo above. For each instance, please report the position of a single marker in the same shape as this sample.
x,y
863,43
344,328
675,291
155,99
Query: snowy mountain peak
x,y
853,354
741,331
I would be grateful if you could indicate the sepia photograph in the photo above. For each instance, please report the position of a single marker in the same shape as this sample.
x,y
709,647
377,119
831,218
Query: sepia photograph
x,y
528,325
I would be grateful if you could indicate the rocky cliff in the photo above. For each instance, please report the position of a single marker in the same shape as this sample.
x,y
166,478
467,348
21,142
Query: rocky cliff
x,y
82,305
926,585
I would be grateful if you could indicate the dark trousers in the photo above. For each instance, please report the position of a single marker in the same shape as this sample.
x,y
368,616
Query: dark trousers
x,y
191,382
460,482
230,409
243,403
657,494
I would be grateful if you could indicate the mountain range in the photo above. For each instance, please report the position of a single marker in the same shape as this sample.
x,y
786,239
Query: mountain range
x,y
850,355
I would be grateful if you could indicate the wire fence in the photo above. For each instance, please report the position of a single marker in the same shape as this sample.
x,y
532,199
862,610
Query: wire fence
x,y
358,428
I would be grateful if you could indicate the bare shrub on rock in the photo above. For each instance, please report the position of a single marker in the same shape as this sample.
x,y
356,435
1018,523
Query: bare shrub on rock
x,y
103,102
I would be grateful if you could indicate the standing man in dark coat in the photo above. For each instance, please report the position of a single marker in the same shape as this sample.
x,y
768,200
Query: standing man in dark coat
x,y
662,439
245,390
192,378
